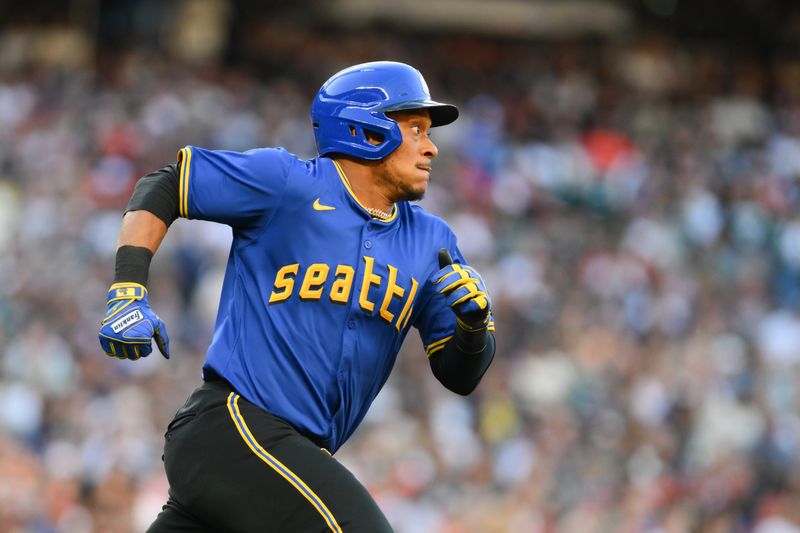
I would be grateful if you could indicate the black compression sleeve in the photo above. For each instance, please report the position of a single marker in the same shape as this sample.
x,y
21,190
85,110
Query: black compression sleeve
x,y
461,371
132,264
157,193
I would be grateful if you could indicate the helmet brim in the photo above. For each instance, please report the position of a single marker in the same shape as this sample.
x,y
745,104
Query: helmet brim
x,y
441,114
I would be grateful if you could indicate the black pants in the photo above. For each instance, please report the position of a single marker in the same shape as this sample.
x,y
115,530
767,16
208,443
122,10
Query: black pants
x,y
232,467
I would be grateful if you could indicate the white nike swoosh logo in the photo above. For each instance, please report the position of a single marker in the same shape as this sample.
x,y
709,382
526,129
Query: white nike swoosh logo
x,y
320,207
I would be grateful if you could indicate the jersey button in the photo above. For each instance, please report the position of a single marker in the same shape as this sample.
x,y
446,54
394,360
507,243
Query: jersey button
x,y
351,324
368,244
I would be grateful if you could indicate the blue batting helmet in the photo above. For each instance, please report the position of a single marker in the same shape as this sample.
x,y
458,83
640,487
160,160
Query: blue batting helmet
x,y
357,99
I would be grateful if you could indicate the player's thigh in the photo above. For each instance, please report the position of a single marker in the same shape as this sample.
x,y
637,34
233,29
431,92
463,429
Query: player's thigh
x,y
173,519
239,469
332,496
337,495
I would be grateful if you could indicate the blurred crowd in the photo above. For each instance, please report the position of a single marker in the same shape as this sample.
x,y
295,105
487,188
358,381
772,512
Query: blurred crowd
x,y
633,206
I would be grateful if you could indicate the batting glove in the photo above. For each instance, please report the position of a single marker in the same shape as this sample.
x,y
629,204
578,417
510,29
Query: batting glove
x,y
465,292
130,323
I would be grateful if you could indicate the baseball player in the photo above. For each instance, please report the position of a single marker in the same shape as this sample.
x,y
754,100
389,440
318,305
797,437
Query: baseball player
x,y
330,266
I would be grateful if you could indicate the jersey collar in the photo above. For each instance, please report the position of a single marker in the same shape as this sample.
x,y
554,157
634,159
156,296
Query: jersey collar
x,y
347,186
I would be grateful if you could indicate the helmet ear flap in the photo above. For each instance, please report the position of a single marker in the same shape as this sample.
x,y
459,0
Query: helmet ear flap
x,y
374,137
362,134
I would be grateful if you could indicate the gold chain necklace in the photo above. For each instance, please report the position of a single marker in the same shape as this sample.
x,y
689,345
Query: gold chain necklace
x,y
374,211
377,213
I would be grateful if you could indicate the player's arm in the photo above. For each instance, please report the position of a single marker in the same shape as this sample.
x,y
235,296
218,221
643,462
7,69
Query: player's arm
x,y
457,367
466,356
130,324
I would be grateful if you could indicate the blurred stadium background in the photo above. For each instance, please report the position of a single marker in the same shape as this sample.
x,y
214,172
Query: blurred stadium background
x,y
626,174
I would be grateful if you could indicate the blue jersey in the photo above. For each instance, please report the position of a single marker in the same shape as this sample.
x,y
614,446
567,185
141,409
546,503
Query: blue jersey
x,y
318,295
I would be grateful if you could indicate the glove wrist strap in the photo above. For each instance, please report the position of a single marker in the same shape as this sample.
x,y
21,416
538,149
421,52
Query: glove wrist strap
x,y
470,326
468,340
126,291
132,264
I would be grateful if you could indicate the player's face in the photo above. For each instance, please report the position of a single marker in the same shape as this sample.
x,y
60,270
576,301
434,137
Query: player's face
x,y
406,171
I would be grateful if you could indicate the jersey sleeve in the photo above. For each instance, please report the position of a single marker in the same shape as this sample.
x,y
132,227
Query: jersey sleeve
x,y
240,189
436,321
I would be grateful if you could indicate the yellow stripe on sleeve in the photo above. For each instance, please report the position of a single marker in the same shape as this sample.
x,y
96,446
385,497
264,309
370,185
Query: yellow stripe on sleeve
x,y
185,159
181,159
437,345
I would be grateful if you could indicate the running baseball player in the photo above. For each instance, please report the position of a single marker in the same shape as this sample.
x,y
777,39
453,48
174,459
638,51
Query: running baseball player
x,y
330,266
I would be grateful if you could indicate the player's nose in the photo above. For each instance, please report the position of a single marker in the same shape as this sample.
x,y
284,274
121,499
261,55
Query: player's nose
x,y
429,149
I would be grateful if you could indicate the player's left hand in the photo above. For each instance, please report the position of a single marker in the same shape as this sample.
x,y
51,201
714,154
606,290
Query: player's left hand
x,y
130,324
464,290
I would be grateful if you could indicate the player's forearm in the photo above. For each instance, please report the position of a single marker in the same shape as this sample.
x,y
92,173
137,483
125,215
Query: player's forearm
x,y
141,228
139,238
152,208
461,371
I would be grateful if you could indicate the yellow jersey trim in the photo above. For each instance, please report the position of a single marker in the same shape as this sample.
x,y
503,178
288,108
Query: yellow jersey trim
x,y
353,195
277,466
181,160
185,159
437,345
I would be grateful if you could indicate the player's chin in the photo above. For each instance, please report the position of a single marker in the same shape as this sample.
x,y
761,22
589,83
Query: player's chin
x,y
414,193
421,183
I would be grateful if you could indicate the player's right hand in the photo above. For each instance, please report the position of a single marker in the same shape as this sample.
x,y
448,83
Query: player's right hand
x,y
130,324
464,291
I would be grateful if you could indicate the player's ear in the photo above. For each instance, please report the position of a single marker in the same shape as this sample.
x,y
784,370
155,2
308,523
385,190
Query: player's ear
x,y
374,137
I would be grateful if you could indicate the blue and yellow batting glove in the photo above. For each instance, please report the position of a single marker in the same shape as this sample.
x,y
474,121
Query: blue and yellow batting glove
x,y
465,292
130,324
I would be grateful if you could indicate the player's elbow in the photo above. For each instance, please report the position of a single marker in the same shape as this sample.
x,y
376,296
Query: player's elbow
x,y
458,383
462,389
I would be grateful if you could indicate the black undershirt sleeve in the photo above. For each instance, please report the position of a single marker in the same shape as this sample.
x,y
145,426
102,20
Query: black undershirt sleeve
x,y
157,193
460,365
